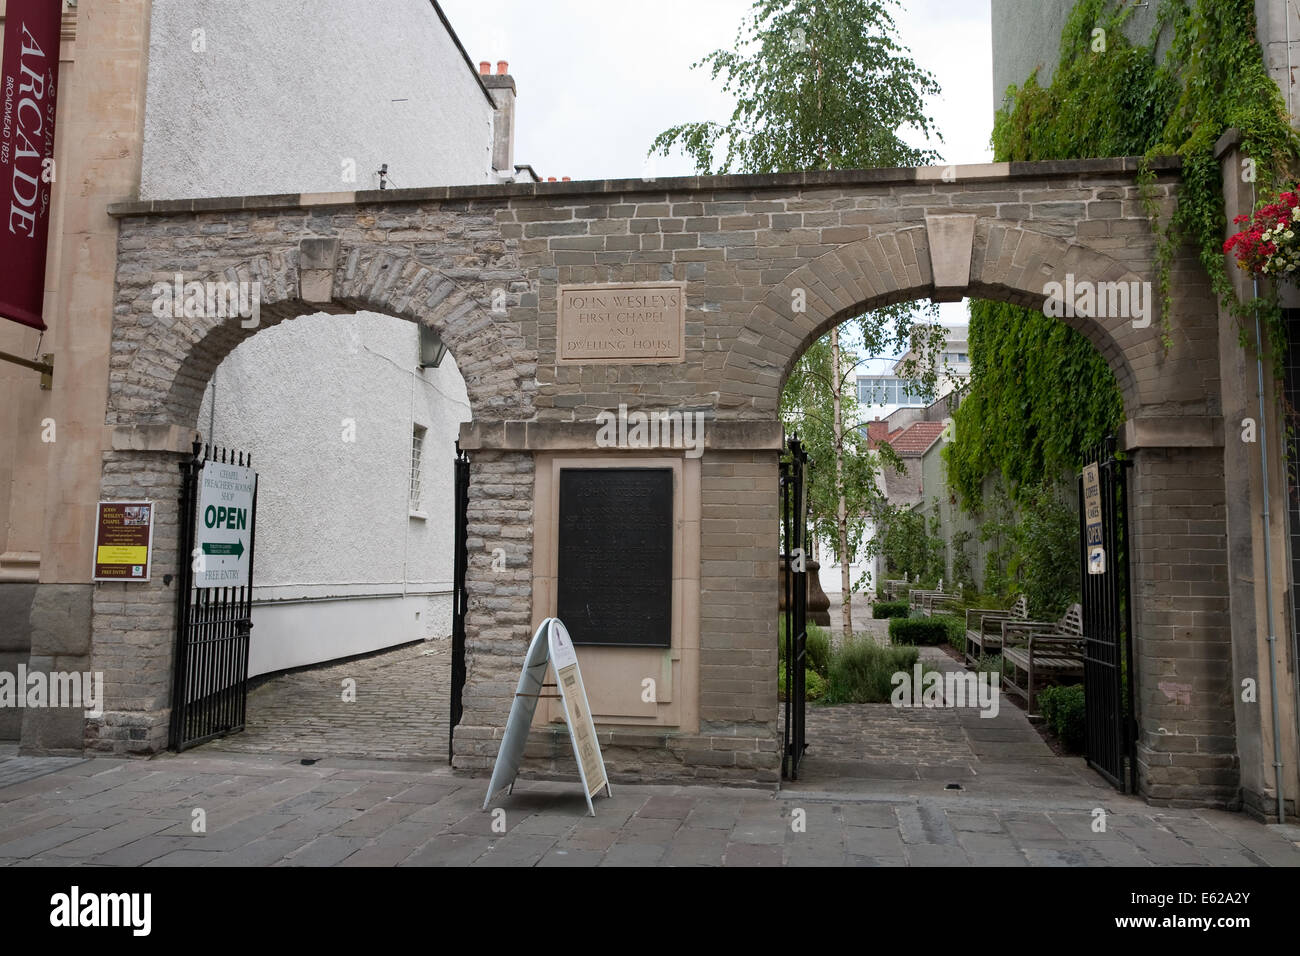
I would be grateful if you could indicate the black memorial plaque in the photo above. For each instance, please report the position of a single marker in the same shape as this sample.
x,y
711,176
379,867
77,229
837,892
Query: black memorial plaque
x,y
616,555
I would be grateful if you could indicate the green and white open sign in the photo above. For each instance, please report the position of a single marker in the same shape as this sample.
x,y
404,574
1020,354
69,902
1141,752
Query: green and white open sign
x,y
223,546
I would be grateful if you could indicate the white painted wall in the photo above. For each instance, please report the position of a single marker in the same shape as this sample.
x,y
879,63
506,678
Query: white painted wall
x,y
253,97
342,567
284,91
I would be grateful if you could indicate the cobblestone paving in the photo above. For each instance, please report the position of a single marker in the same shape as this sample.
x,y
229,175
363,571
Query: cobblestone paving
x,y
272,811
402,709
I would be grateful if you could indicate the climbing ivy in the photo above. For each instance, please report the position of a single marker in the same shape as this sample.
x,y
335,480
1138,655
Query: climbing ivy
x,y
1040,393
1111,97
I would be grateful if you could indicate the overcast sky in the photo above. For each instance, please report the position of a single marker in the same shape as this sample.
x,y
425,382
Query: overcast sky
x,y
599,79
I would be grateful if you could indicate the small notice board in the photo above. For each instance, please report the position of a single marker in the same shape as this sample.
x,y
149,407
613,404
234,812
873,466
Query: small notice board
x,y
551,645
1092,519
225,532
123,541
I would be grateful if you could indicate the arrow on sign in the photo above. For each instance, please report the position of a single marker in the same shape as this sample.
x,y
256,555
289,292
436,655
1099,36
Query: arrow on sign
x,y
224,548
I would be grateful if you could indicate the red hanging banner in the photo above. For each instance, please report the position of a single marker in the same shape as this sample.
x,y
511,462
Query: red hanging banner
x,y
29,80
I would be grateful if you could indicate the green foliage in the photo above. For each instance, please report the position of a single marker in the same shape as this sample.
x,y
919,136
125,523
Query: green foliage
x,y
954,629
861,671
1124,101
1049,552
990,663
963,568
908,546
1063,712
917,630
887,609
814,684
1039,395
818,649
818,84
1036,549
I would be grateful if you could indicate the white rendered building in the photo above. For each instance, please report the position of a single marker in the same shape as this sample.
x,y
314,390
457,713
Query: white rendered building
x,y
352,439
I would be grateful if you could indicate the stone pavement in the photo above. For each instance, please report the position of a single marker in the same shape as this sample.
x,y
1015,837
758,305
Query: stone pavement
x,y
273,811
401,709
868,747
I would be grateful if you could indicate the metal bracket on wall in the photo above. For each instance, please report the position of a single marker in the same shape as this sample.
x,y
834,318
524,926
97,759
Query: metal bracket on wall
x,y
45,366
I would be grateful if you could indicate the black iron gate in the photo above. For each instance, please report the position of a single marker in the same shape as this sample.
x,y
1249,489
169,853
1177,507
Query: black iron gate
x,y
1109,715
459,602
794,581
213,624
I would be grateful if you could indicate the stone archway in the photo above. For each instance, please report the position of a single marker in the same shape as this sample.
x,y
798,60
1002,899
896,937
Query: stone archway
x,y
485,265
161,369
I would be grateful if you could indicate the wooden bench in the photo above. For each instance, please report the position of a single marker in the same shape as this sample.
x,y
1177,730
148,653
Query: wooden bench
x,y
894,588
984,629
1045,652
917,597
944,601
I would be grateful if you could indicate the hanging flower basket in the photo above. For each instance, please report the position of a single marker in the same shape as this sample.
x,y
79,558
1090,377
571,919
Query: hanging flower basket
x,y
1270,243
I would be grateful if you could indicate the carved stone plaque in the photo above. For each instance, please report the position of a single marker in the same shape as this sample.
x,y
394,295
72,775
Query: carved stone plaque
x,y
615,569
638,324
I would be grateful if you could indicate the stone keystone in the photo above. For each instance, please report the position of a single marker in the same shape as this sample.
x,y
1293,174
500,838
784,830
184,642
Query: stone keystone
x,y
951,239
316,261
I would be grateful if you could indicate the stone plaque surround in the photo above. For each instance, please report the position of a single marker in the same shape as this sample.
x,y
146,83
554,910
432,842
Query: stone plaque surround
x,y
614,675
637,323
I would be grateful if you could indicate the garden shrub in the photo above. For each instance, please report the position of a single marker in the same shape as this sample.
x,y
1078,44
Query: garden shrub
x,y
1063,712
861,671
818,650
814,684
917,630
954,629
887,609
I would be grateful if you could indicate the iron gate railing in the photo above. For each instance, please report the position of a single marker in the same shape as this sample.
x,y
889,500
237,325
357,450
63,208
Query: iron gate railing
x,y
1109,715
459,598
213,625
794,579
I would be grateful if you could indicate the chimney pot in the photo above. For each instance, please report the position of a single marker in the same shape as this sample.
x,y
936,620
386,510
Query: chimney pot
x,y
550,179
564,179
502,67
484,67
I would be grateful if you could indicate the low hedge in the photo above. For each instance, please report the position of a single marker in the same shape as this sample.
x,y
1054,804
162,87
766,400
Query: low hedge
x,y
1063,712
917,630
936,629
889,609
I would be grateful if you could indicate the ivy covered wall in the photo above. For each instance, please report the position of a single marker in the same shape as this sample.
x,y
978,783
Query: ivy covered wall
x,y
1040,393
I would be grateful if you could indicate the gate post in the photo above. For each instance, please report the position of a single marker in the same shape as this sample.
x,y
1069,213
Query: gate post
x,y
132,624
1257,588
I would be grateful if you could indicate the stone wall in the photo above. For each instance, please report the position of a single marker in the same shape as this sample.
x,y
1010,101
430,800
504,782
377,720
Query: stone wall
x,y
482,265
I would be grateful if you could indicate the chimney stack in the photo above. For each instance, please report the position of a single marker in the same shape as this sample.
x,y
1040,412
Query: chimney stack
x,y
877,431
501,87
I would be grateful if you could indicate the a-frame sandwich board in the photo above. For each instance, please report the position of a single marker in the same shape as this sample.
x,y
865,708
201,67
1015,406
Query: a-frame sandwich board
x,y
552,645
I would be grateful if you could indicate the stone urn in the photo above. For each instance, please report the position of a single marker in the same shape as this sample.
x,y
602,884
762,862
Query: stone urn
x,y
819,605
